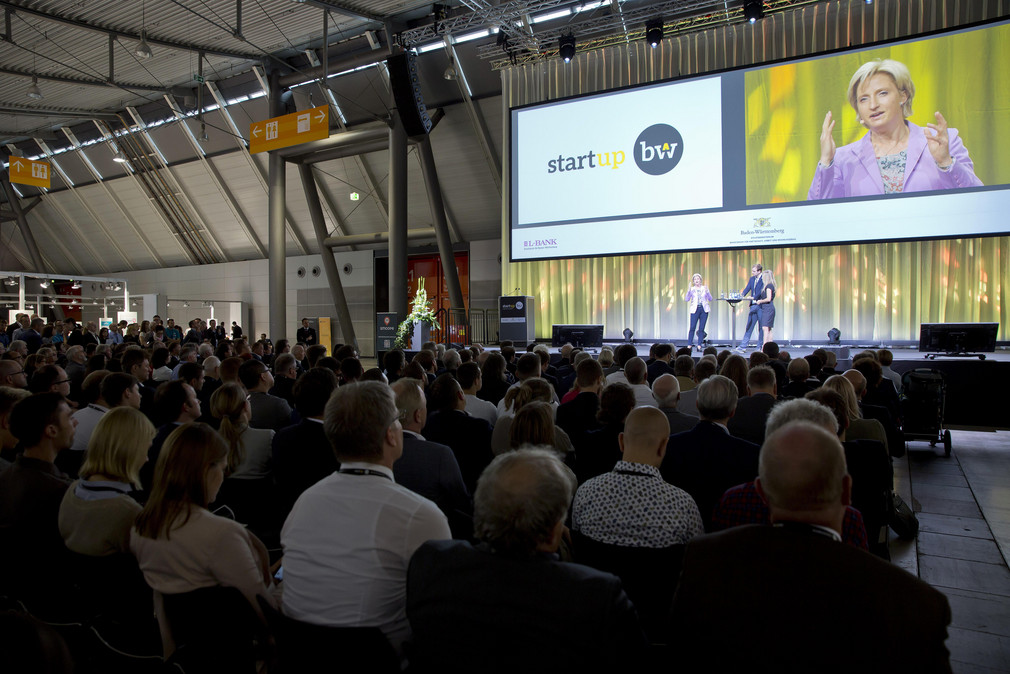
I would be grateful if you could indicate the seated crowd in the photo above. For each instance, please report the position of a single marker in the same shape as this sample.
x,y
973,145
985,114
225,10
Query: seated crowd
x,y
238,507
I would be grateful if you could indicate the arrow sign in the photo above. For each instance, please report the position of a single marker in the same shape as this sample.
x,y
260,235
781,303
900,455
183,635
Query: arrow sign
x,y
287,130
30,172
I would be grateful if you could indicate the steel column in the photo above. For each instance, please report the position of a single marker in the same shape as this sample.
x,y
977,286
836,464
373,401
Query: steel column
x,y
438,220
329,264
277,238
398,218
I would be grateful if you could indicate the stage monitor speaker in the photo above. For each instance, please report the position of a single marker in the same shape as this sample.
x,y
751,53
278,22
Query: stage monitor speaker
x,y
406,84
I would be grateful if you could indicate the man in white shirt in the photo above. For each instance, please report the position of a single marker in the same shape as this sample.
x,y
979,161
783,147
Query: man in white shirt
x,y
637,372
468,375
350,537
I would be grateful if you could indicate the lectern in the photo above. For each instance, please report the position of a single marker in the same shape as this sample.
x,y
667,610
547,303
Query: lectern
x,y
516,318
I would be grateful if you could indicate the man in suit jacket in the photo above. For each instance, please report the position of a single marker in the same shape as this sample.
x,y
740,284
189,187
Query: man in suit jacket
x,y
706,460
429,468
812,602
267,411
752,410
661,365
548,615
468,437
302,454
666,391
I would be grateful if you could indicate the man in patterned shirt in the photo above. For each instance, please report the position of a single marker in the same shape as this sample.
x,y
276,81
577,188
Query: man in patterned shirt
x,y
632,505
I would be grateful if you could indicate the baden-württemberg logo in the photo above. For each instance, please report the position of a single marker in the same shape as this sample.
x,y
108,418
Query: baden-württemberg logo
x,y
658,149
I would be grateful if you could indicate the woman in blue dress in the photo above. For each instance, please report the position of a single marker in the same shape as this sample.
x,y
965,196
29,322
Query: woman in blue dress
x,y
766,306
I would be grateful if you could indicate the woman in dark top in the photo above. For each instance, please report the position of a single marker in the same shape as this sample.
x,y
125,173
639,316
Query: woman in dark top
x,y
493,382
766,306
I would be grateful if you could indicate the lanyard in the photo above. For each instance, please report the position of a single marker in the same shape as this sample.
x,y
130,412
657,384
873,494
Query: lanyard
x,y
363,471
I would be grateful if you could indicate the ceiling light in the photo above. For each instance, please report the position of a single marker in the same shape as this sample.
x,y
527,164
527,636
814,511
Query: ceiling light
x,y
120,158
204,138
75,285
566,47
753,10
34,92
654,32
119,286
450,73
44,283
185,304
11,281
143,49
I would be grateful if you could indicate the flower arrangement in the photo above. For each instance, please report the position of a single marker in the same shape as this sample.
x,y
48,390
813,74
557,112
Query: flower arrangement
x,y
420,312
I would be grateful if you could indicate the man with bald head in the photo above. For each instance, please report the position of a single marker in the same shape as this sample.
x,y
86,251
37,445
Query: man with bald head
x,y
666,392
811,602
632,505
636,373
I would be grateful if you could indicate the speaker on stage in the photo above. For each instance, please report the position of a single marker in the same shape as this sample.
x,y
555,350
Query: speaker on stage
x,y
406,84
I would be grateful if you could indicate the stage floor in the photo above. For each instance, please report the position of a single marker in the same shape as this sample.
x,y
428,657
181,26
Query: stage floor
x,y
901,353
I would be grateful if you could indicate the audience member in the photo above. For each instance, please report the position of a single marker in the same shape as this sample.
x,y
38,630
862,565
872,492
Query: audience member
x,y
99,510
9,397
801,582
349,538
449,424
660,365
706,460
548,615
600,448
469,377
302,453
635,372
666,391
267,411
689,399
180,545
249,454
429,468
748,422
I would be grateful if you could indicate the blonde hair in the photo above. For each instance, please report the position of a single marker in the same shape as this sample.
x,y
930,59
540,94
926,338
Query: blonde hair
x,y
532,389
844,387
118,447
767,277
898,72
697,276
227,404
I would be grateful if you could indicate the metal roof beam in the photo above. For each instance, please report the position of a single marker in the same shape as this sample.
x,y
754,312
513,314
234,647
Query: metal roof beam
x,y
84,25
85,82
345,9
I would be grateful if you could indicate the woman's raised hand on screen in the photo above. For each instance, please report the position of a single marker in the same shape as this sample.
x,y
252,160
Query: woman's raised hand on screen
x,y
938,141
827,140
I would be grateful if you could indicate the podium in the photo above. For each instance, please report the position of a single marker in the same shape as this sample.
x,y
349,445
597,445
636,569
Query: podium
x,y
516,319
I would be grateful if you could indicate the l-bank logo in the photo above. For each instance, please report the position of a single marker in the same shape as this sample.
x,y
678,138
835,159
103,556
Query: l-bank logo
x,y
657,151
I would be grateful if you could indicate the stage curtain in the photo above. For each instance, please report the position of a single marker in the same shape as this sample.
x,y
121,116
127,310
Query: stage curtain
x,y
875,293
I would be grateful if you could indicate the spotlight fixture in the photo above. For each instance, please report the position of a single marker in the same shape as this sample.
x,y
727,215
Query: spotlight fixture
x,y
628,334
143,49
44,283
119,286
76,285
566,47
120,158
654,32
185,305
204,138
134,303
753,10
34,92
450,71
11,282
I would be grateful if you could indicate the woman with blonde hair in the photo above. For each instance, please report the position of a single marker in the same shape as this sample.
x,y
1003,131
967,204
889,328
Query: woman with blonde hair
x,y
249,449
699,300
859,428
531,390
99,510
766,306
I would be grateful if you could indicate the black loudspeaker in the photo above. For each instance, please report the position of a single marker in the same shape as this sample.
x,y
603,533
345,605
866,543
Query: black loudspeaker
x,y
406,83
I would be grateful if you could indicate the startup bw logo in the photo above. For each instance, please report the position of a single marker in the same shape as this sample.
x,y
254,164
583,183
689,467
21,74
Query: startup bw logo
x,y
658,149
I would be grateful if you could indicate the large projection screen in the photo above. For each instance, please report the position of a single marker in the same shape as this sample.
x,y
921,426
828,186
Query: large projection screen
x,y
730,160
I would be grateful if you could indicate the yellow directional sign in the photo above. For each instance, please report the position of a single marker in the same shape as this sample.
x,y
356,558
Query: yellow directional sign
x,y
29,172
287,130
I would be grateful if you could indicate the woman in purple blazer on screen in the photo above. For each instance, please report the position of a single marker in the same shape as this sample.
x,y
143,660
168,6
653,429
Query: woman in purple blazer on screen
x,y
896,155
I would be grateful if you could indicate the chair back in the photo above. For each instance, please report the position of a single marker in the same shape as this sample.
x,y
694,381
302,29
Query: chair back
x,y
301,646
649,576
215,630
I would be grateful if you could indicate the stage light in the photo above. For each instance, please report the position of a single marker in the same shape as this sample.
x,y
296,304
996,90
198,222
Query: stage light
x,y
143,50
44,283
34,92
566,47
76,285
753,10
654,32
120,158
835,335
628,334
